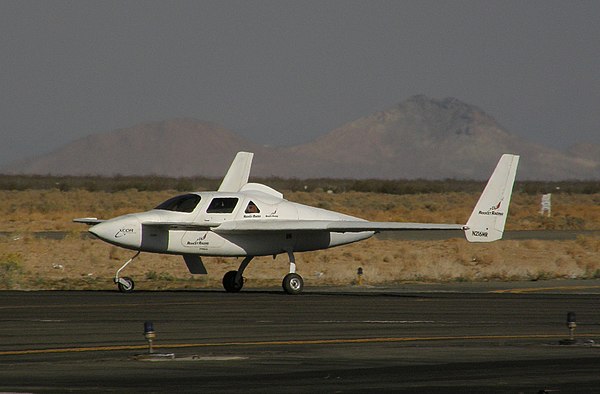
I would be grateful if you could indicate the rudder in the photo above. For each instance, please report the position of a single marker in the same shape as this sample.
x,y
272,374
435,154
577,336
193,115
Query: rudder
x,y
238,173
488,218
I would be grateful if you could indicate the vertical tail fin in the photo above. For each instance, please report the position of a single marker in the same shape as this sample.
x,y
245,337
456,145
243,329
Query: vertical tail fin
x,y
487,220
238,173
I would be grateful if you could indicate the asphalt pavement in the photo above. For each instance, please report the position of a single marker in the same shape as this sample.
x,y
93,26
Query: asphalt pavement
x,y
455,338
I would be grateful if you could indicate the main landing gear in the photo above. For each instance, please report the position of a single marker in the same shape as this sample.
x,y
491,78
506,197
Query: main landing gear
x,y
233,281
125,284
292,283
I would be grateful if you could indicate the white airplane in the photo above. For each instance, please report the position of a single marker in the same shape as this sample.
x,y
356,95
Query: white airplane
x,y
244,219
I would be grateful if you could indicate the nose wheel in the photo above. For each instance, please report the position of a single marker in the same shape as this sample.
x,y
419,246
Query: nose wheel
x,y
125,284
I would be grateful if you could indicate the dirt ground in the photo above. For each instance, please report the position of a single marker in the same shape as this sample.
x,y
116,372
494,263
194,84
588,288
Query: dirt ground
x,y
80,262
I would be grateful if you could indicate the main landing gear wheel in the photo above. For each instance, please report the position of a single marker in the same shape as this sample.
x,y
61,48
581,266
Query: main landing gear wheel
x,y
293,284
125,284
230,284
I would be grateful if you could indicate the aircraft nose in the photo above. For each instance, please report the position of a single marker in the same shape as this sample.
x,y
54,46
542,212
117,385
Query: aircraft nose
x,y
123,231
101,230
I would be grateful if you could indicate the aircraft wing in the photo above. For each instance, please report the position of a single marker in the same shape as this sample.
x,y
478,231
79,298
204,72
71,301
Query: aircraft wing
x,y
88,220
390,226
338,226
205,226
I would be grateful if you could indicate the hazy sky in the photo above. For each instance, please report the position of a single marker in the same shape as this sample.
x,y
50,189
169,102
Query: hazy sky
x,y
282,72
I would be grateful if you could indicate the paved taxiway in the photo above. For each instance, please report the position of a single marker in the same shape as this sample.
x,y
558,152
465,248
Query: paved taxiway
x,y
492,338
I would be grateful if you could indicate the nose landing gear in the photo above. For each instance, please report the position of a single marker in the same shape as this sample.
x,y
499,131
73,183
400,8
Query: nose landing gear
x,y
125,284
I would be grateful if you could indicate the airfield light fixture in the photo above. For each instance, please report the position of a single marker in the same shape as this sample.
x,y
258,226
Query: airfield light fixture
x,y
359,274
149,334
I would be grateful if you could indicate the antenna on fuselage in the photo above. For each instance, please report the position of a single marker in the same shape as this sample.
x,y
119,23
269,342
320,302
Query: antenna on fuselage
x,y
238,173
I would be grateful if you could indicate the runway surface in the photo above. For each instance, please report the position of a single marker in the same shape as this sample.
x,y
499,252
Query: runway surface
x,y
444,338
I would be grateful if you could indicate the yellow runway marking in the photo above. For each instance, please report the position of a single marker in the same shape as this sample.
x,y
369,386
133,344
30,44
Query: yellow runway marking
x,y
536,289
288,343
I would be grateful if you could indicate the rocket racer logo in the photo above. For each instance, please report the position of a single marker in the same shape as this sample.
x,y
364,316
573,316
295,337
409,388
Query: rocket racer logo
x,y
493,210
200,241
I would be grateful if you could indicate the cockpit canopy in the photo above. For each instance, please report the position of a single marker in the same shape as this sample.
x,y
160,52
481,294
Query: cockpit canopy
x,y
184,203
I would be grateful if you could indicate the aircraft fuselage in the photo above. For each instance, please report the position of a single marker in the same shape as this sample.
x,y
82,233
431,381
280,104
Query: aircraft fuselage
x,y
149,231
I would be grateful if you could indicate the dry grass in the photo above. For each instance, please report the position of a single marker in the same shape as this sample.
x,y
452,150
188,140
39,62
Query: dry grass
x,y
39,210
76,263
28,263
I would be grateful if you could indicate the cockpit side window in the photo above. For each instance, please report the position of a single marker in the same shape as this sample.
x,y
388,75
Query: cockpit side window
x,y
185,203
222,205
252,208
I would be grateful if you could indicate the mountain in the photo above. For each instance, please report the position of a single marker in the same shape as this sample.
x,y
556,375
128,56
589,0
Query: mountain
x,y
429,138
181,147
418,138
585,151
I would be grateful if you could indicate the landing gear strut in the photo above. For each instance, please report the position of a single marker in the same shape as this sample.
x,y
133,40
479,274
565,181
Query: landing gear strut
x,y
233,281
125,284
292,283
